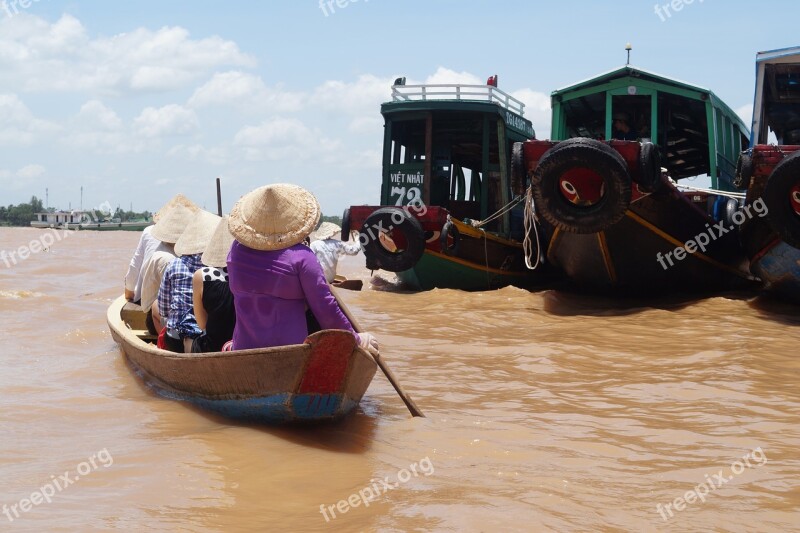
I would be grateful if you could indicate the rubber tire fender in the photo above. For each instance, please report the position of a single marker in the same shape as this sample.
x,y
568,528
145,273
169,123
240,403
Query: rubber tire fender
x,y
345,225
392,219
450,229
519,174
781,216
744,171
588,153
649,168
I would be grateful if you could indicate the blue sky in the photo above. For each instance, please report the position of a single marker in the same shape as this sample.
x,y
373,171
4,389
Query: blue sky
x,y
137,101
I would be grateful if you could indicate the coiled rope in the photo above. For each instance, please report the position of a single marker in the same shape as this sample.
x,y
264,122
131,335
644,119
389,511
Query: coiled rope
x,y
529,220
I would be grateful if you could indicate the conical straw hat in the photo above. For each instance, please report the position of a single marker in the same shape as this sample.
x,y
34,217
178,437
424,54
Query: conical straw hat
x,y
216,254
274,217
197,234
178,199
326,230
170,227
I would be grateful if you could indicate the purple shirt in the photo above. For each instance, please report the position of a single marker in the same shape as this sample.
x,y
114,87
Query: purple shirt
x,y
271,290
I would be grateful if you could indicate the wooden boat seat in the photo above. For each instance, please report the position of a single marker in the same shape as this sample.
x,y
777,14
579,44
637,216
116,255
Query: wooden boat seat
x,y
145,335
134,316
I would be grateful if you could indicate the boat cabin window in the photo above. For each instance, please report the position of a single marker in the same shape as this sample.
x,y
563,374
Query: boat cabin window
x,y
586,116
635,110
781,99
406,163
683,135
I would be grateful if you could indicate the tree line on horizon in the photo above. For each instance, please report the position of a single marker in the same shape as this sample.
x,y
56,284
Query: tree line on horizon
x,y
23,214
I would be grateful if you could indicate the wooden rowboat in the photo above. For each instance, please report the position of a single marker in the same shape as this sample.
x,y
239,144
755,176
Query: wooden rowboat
x,y
320,380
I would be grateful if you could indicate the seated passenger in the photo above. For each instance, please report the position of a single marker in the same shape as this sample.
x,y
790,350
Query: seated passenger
x,y
622,129
273,276
328,249
175,303
171,220
213,301
148,244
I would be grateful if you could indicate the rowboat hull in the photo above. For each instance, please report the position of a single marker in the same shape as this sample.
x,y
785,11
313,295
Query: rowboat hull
x,y
321,380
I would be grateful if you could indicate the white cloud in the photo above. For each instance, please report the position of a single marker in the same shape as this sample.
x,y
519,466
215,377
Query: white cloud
x,y
218,155
30,171
361,96
167,120
745,113
61,57
98,128
283,138
96,114
446,76
244,91
537,110
18,126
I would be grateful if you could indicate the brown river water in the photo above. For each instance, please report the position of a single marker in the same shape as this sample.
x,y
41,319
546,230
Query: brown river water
x,y
546,411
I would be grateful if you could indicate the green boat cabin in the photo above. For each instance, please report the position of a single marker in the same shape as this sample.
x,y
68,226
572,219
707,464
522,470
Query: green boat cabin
x,y
450,146
696,132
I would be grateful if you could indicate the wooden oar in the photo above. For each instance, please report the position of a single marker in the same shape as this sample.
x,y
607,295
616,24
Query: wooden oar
x,y
415,411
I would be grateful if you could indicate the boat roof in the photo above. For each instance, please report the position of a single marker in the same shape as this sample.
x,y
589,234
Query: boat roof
x,y
636,72
629,70
460,97
781,55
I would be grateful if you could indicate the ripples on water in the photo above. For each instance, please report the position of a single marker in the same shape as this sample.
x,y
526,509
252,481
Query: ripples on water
x,y
546,411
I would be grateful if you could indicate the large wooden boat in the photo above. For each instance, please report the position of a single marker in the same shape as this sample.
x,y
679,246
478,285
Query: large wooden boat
x,y
320,380
771,174
447,217
84,220
621,223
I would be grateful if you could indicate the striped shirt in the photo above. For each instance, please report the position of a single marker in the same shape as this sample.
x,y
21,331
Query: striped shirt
x,y
175,296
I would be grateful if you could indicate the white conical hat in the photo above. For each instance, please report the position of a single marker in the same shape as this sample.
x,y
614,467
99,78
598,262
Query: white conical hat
x,y
216,254
197,234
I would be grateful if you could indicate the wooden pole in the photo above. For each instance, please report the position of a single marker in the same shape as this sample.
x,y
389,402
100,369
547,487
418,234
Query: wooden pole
x,y
412,407
219,198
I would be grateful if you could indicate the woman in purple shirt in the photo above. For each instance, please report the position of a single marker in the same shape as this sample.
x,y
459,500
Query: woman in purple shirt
x,y
273,276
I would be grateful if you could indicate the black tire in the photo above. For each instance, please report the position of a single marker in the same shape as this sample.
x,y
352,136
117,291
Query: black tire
x,y
392,219
587,153
519,173
346,225
777,197
731,206
744,171
450,230
649,168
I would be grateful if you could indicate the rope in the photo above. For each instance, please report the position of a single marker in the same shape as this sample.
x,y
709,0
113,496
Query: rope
x,y
737,195
503,210
530,221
